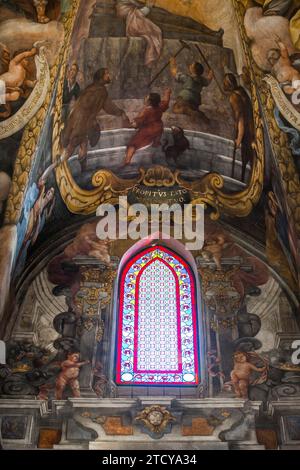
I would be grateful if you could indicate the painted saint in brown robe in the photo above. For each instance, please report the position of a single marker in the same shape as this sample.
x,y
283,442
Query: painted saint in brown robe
x,y
82,127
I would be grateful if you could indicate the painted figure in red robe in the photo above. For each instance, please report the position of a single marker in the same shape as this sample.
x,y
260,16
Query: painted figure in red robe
x,y
149,124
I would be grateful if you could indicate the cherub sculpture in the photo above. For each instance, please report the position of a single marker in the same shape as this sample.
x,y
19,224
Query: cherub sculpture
x,y
282,68
15,79
213,248
241,374
69,376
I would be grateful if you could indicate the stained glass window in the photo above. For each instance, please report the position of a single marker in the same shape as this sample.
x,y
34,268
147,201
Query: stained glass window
x,y
157,327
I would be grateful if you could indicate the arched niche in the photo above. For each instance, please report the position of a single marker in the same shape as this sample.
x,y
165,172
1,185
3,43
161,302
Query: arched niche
x,y
157,328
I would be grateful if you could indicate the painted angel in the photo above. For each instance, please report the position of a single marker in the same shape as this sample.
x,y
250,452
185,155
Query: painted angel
x,y
242,374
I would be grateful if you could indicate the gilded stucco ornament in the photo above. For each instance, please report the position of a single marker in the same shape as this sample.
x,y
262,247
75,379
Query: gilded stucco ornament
x,y
155,419
18,121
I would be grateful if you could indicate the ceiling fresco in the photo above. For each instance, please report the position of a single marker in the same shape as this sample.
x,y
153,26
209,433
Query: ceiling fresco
x,y
161,102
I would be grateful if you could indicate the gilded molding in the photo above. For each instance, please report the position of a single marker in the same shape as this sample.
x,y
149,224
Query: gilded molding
x,y
32,132
279,140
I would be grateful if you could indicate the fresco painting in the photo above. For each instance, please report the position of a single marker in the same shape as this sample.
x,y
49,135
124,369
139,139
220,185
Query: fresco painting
x,y
162,102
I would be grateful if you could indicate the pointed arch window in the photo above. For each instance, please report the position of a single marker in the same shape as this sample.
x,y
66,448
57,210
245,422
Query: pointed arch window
x,y
157,326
